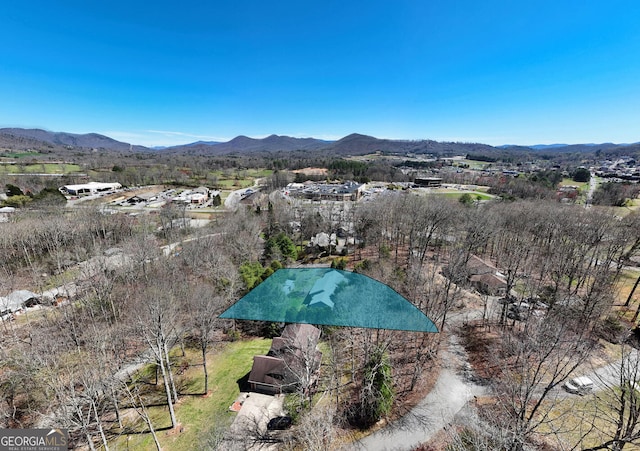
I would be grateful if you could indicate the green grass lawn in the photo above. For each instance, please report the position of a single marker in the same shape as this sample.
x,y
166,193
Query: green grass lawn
x,y
574,416
259,172
570,182
625,285
238,178
474,164
232,184
198,413
634,204
482,196
474,194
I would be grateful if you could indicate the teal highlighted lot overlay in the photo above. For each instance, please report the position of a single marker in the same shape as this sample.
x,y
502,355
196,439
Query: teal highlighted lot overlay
x,y
329,297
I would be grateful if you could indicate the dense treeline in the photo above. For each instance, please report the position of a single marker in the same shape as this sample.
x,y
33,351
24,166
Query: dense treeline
x,y
66,365
616,194
51,240
565,258
556,251
60,367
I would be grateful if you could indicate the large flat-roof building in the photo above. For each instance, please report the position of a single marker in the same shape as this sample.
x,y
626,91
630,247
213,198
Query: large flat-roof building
x,y
325,191
429,182
88,188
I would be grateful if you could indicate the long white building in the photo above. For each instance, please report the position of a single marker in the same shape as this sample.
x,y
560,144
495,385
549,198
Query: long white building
x,y
88,188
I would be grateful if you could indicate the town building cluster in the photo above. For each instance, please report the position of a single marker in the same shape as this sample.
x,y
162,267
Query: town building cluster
x,y
325,191
623,169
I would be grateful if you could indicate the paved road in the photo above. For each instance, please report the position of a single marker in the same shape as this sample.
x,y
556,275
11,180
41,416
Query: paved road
x,y
453,390
592,189
168,249
608,376
233,199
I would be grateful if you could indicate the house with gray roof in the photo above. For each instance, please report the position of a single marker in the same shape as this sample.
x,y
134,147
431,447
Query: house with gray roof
x,y
18,300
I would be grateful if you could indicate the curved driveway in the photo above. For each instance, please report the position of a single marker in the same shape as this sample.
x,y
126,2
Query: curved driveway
x,y
452,391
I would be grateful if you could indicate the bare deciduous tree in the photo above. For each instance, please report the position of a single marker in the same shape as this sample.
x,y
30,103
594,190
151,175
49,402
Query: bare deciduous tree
x,y
529,366
315,431
616,414
203,310
156,324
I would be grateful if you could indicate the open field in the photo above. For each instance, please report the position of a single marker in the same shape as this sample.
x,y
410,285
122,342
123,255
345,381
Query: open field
x,y
474,164
234,184
39,168
475,194
582,186
236,179
456,193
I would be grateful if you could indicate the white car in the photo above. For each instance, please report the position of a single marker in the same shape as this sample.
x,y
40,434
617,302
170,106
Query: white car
x,y
579,385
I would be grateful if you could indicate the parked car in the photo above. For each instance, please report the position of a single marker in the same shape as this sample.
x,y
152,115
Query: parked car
x,y
579,385
519,312
514,314
279,423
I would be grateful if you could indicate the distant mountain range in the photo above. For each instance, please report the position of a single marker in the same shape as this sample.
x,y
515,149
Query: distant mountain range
x,y
89,140
244,144
587,147
354,144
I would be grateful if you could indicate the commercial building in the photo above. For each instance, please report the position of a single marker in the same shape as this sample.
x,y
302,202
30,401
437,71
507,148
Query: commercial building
x,y
325,191
428,182
90,188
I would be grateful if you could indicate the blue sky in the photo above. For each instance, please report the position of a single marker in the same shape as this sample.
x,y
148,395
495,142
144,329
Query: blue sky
x,y
166,73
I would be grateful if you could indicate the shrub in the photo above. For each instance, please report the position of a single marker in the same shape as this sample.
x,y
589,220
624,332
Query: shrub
x,y
17,201
13,190
611,329
234,334
362,266
466,199
295,405
251,273
339,263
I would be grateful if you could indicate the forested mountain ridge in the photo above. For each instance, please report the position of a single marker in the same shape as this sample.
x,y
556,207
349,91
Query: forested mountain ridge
x,y
245,144
353,144
87,140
